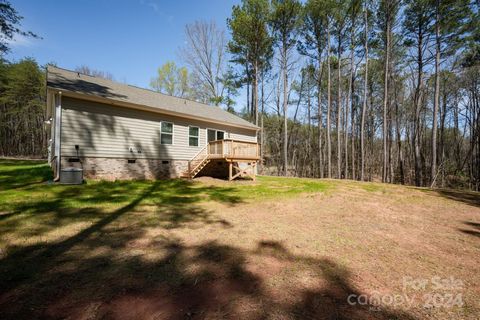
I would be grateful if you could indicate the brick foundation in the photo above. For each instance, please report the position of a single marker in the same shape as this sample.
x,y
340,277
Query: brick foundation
x,y
120,169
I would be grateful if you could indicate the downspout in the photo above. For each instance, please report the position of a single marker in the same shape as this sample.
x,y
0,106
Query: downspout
x,y
58,133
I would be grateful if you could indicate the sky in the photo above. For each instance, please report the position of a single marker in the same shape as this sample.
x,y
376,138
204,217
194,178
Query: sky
x,y
128,38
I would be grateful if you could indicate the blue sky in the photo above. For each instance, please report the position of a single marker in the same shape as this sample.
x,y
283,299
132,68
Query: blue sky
x,y
128,38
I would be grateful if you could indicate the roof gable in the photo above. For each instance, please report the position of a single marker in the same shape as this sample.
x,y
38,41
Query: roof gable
x,y
75,82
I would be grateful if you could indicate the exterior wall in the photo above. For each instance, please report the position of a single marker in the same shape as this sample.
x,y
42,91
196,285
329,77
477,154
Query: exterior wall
x,y
242,135
120,169
108,131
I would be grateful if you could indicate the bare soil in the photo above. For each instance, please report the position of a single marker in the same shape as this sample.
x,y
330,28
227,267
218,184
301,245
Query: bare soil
x,y
356,251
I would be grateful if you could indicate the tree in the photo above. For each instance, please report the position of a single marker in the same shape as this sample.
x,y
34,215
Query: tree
x,y
417,32
251,44
387,15
204,54
353,12
451,19
339,20
93,72
10,22
396,110
231,85
312,45
329,103
285,22
172,80
365,94
22,109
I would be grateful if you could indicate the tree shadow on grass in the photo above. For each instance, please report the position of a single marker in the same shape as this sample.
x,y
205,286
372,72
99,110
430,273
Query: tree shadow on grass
x,y
175,202
209,280
468,197
16,174
474,229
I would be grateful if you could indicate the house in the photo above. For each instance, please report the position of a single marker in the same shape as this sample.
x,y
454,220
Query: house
x,y
118,131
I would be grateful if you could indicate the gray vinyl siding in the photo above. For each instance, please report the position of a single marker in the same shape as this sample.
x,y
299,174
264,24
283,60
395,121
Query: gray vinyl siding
x,y
243,135
102,130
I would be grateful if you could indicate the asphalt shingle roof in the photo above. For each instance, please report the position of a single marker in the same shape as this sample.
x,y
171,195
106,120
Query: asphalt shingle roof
x,y
66,80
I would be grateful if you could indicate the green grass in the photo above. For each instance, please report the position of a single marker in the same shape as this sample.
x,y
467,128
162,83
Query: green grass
x,y
372,187
42,222
272,187
27,188
31,205
22,173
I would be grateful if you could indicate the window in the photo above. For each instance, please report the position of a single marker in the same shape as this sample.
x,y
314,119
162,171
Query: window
x,y
213,135
166,133
193,136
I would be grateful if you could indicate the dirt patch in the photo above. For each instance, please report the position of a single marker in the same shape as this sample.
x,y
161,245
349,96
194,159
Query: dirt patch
x,y
310,256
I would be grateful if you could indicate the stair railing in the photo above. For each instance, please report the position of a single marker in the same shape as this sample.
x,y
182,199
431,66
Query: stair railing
x,y
201,156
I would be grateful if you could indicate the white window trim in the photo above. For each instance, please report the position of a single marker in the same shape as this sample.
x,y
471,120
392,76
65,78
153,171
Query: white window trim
x,y
173,133
226,135
197,136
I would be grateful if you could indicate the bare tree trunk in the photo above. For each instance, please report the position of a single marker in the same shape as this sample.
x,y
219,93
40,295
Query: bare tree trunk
x,y
339,108
320,116
385,96
399,143
262,132
364,107
418,105
285,107
437,92
347,106
329,107
255,91
390,149
353,133
443,113
309,138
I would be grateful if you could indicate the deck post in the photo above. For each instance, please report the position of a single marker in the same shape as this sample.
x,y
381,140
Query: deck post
x,y
254,172
230,169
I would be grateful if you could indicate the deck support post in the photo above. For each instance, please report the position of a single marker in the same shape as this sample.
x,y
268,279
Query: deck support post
x,y
254,172
248,171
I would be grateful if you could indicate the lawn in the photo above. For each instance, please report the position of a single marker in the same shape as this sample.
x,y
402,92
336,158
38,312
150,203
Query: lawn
x,y
278,248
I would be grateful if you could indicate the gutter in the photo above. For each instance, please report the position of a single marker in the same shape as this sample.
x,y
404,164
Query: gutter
x,y
58,134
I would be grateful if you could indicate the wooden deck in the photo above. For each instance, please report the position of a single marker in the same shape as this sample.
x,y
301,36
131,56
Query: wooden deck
x,y
234,150
231,151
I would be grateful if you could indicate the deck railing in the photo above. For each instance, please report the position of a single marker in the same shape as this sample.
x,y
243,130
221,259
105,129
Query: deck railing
x,y
228,148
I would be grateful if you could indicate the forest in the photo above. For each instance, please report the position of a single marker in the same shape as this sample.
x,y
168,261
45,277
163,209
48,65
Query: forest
x,y
358,89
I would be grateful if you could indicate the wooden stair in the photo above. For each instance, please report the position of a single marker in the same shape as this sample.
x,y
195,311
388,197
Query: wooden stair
x,y
196,164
